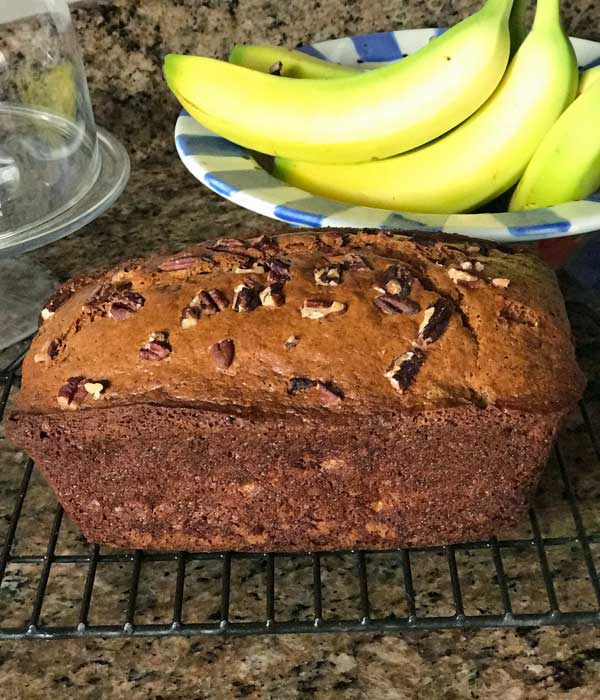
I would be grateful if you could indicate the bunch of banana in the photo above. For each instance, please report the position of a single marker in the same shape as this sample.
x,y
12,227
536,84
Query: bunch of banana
x,y
478,160
358,117
444,130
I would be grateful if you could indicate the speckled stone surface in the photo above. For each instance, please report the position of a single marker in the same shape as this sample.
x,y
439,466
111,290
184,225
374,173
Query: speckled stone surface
x,y
164,209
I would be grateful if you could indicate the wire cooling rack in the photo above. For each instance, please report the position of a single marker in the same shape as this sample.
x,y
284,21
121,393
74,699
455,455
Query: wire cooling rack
x,y
54,585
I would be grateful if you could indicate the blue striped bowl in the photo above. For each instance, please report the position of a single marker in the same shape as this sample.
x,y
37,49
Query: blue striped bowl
x,y
231,171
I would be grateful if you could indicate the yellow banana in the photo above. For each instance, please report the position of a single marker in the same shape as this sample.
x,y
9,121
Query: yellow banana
x,y
294,64
566,166
374,114
588,78
482,157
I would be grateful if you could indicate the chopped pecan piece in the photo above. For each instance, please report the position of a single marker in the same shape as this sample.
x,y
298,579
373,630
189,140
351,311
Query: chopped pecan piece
x,y
318,308
207,302
46,313
183,261
191,314
395,304
247,297
463,277
296,384
49,351
226,245
404,369
272,295
223,353
478,266
500,282
156,348
126,305
257,268
329,393
351,261
278,271
263,244
212,301
72,394
328,276
466,265
95,389
435,320
291,342
397,280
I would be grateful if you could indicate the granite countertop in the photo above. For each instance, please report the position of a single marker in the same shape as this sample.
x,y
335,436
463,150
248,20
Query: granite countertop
x,y
164,208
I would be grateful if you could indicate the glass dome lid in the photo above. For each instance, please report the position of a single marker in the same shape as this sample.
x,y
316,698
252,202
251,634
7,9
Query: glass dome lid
x,y
58,171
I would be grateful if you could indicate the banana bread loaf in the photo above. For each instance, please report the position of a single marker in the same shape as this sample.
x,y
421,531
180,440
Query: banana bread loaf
x,y
311,391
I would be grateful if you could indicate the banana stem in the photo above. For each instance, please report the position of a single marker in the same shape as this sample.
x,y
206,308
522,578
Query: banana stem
x,y
547,13
501,7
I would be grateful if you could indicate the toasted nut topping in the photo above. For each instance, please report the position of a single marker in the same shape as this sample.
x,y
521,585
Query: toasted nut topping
x,y
223,353
272,296
246,297
291,342
404,369
435,320
478,266
350,261
227,245
95,389
462,277
296,384
317,308
49,351
256,268
207,302
72,394
395,304
466,265
329,275
471,249
190,315
262,243
278,271
397,280
156,348
329,393
126,305
501,282
46,314
181,262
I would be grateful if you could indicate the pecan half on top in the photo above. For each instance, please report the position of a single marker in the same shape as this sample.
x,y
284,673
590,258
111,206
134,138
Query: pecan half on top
x,y
223,353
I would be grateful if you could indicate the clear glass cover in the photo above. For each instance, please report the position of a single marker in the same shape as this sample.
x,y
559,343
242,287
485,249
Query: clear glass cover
x,y
50,153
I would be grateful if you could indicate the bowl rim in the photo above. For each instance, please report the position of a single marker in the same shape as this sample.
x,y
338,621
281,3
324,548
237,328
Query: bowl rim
x,y
232,172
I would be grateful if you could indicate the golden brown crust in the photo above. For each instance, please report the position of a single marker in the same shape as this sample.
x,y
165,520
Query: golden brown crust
x,y
485,327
